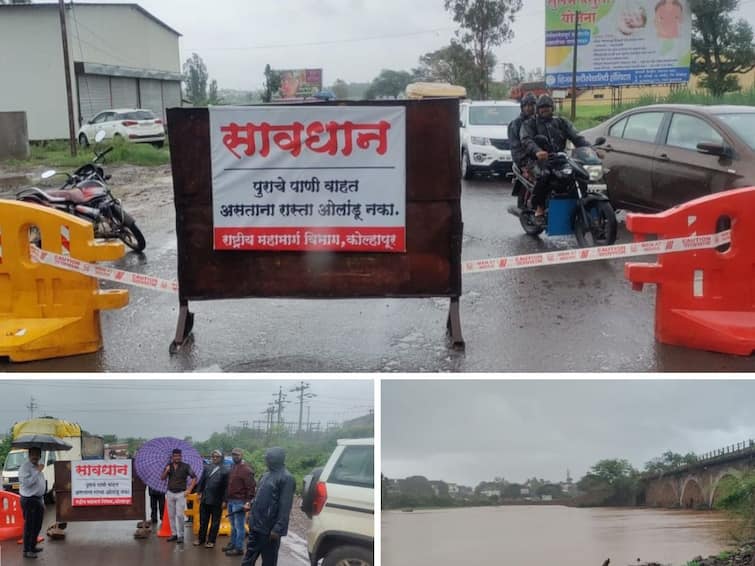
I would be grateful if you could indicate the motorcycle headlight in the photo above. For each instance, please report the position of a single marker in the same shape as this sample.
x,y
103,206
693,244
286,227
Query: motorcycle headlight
x,y
566,171
480,141
595,172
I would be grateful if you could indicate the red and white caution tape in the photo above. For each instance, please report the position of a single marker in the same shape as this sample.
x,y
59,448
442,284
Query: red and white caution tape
x,y
617,251
100,272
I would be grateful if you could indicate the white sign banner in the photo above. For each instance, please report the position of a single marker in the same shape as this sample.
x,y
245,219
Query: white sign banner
x,y
314,178
96,483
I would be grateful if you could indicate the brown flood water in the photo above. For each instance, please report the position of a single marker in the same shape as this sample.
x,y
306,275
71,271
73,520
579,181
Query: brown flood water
x,y
545,535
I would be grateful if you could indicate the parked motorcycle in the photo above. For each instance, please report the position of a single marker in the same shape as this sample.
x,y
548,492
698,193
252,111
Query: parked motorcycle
x,y
85,194
577,201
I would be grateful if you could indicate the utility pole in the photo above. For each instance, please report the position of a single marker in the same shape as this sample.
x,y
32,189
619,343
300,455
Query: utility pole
x,y
574,68
303,394
279,403
32,406
244,424
67,72
309,423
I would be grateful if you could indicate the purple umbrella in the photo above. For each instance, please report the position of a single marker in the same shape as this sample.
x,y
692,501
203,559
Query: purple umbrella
x,y
155,454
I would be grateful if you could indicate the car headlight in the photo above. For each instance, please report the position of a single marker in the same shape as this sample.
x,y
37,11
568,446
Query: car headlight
x,y
595,172
480,141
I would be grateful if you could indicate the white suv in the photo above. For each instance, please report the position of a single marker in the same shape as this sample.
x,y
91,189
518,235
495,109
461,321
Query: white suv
x,y
339,499
484,136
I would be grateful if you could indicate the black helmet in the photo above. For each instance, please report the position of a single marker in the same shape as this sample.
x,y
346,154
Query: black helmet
x,y
544,101
528,98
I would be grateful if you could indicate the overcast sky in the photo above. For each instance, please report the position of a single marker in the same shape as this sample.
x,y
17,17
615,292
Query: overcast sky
x,y
179,408
236,38
470,431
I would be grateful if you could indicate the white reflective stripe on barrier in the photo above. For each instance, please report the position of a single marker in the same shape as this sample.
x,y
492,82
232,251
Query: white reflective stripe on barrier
x,y
617,251
111,274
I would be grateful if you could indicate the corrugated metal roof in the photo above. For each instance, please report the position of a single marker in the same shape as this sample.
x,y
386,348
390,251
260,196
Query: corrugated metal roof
x,y
80,4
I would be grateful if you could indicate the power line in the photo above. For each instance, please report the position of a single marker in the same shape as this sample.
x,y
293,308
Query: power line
x,y
324,42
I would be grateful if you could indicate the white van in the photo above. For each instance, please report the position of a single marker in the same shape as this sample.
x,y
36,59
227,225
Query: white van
x,y
484,137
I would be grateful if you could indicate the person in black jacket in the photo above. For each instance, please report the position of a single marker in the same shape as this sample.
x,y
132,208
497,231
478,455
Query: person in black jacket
x,y
518,153
211,489
268,521
557,131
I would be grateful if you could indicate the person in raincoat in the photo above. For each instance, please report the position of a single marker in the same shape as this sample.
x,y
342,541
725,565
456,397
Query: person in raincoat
x,y
268,521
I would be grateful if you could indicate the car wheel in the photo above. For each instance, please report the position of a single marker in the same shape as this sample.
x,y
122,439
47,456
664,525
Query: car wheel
x,y
348,556
158,145
83,141
466,168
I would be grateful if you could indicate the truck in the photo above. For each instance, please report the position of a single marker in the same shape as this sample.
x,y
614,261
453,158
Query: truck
x,y
85,446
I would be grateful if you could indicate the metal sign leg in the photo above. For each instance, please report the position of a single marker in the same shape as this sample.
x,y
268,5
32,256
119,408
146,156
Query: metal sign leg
x,y
454,324
183,328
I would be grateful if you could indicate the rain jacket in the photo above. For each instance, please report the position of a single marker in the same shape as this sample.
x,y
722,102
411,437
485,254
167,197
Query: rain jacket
x,y
558,130
275,495
515,142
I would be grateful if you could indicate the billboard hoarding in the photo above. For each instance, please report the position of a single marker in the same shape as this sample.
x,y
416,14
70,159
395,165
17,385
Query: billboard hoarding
x,y
620,42
298,83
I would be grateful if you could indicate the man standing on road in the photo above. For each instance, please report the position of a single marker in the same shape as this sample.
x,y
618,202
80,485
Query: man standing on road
x,y
268,521
156,501
241,487
178,474
212,488
32,493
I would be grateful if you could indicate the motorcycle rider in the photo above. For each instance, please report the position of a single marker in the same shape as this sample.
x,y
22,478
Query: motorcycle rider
x,y
557,130
527,105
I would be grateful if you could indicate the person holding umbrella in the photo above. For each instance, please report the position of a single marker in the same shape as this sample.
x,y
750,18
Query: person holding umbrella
x,y
268,521
32,493
212,488
177,473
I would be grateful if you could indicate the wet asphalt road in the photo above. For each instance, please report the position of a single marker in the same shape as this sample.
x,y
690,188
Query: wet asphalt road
x,y
113,543
571,318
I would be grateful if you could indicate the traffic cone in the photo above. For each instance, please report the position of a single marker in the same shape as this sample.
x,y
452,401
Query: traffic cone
x,y
165,527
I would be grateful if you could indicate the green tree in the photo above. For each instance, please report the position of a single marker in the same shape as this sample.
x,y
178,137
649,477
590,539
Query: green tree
x,y
453,64
195,79
212,95
610,482
721,47
512,491
669,461
484,24
272,84
340,89
737,496
389,83
5,447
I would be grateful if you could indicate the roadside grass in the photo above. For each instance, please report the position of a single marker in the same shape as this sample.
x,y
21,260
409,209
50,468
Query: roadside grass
x,y
589,116
56,154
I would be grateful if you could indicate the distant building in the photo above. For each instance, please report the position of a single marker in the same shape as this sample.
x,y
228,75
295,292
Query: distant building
x,y
490,492
121,56
524,492
453,490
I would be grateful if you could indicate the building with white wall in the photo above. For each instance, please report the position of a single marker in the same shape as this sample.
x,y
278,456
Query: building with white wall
x,y
121,56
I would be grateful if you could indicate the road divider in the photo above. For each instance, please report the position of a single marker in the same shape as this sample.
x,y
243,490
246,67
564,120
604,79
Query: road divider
x,y
617,251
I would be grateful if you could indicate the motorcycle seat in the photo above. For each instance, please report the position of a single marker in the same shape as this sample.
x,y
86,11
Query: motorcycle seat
x,y
42,195
71,195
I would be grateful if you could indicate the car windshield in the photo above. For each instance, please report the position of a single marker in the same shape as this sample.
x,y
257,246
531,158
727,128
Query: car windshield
x,y
138,115
743,125
14,460
492,115
586,156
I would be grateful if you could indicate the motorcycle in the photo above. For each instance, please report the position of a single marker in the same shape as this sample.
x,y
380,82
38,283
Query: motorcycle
x,y
85,194
577,201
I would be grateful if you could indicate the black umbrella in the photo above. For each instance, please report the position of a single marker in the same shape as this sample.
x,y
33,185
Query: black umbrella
x,y
41,441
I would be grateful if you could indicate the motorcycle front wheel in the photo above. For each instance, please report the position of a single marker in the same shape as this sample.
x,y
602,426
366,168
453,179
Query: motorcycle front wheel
x,y
603,225
527,216
129,232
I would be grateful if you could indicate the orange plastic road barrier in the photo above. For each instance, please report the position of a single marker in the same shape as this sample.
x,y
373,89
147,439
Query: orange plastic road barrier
x,y
705,298
47,312
165,530
11,516
225,523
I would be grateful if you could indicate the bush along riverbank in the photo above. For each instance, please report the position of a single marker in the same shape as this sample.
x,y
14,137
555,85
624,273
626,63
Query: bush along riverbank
x,y
742,556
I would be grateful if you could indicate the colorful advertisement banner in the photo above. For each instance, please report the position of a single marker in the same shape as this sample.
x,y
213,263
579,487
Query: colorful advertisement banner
x,y
299,84
620,42
309,178
96,483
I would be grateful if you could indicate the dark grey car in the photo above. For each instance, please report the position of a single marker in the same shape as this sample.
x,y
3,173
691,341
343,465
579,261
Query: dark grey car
x,y
663,155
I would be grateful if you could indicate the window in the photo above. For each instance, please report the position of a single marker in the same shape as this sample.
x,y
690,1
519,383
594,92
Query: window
x,y
688,131
492,115
617,130
355,467
102,117
138,115
643,127
742,124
